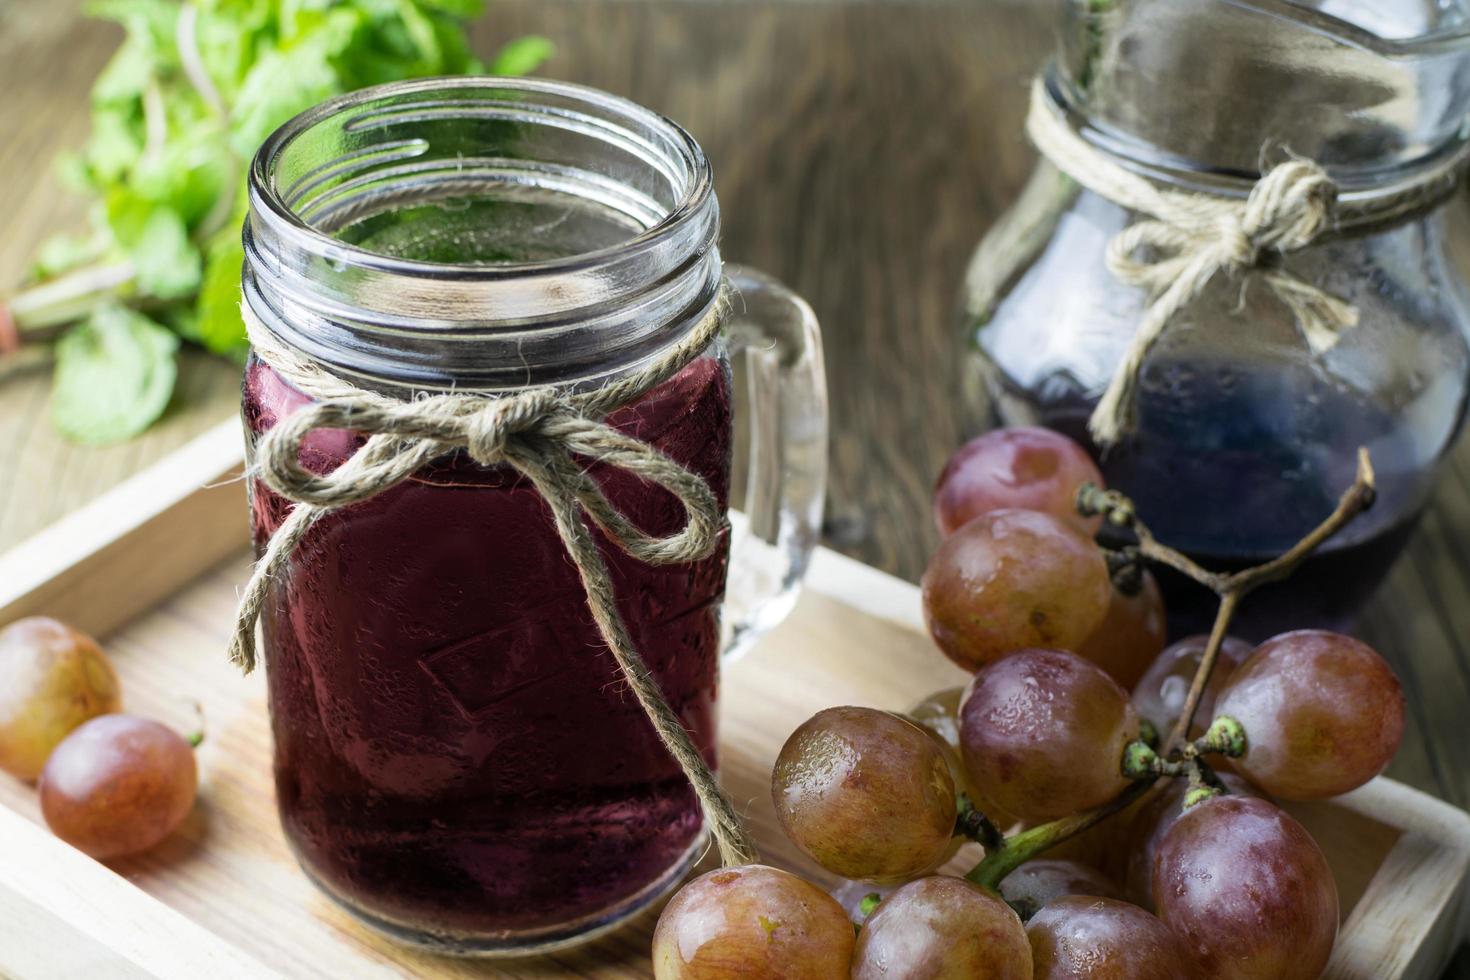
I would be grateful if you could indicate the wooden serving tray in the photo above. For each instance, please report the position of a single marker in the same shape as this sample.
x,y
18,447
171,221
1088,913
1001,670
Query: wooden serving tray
x,y
223,898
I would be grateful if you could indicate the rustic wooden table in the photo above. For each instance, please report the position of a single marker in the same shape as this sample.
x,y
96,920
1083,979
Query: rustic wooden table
x,y
861,148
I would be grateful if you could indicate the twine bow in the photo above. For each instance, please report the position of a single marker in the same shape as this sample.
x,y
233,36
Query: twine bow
x,y
542,433
1188,239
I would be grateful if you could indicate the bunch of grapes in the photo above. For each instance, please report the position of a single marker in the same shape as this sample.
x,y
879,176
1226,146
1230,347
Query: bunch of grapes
x,y
1123,790
111,784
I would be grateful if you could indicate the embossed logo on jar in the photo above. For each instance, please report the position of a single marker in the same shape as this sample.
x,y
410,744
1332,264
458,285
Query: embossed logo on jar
x,y
481,671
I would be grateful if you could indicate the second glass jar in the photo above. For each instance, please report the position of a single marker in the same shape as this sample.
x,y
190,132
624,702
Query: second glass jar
x,y
1244,438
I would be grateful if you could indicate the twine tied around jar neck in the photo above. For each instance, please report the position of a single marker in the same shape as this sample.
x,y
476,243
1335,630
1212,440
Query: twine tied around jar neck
x,y
542,433
1186,238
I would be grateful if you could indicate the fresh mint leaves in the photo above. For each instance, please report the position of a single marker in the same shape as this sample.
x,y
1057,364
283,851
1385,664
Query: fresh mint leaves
x,y
521,57
114,375
166,264
176,115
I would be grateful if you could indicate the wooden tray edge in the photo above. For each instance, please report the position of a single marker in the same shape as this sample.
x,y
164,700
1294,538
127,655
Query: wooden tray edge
x,y
138,543
161,528
1383,937
864,587
66,915
1387,935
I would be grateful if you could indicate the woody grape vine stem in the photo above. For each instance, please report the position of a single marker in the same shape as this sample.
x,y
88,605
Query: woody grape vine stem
x,y
1231,589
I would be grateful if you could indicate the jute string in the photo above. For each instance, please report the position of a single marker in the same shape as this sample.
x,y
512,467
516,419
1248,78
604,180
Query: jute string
x,y
1186,239
544,434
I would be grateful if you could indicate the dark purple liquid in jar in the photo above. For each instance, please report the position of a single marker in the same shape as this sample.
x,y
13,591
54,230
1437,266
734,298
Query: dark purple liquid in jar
x,y
456,753
1238,474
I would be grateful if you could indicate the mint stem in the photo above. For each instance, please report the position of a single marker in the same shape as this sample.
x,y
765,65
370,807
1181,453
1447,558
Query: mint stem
x,y
186,36
68,297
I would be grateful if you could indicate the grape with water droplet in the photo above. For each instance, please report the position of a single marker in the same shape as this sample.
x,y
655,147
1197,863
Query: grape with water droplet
x,y
1013,580
867,794
752,921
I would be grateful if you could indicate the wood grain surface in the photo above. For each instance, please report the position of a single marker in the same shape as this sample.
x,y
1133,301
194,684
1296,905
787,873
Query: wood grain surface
x,y
861,147
225,899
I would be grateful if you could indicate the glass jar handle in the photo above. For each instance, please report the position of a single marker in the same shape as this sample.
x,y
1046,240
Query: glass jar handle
x,y
772,544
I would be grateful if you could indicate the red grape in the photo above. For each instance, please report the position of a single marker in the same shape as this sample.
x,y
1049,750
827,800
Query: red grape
x,y
1013,579
1160,694
1025,468
941,928
1248,891
1042,733
752,921
118,785
52,678
1131,635
1041,881
939,715
1323,714
1153,822
1081,938
867,794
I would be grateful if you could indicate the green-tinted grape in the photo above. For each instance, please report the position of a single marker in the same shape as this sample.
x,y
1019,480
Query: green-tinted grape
x,y
1323,714
942,928
1042,733
118,785
867,794
1011,580
52,678
752,923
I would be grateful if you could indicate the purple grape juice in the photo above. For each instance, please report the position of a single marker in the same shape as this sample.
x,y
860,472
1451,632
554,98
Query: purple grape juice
x,y
1236,472
456,753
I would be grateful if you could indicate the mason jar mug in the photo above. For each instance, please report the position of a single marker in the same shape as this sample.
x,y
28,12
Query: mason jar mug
x,y
458,760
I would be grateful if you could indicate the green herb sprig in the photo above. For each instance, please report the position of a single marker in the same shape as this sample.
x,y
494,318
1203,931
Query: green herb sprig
x,y
176,115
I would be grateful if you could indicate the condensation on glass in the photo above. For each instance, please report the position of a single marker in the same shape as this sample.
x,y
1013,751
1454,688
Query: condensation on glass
x,y
457,762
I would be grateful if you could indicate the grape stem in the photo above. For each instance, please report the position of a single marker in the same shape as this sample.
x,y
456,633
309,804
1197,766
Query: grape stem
x,y
1203,783
1142,763
66,298
976,826
1021,847
1232,588
1179,756
196,737
1226,737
